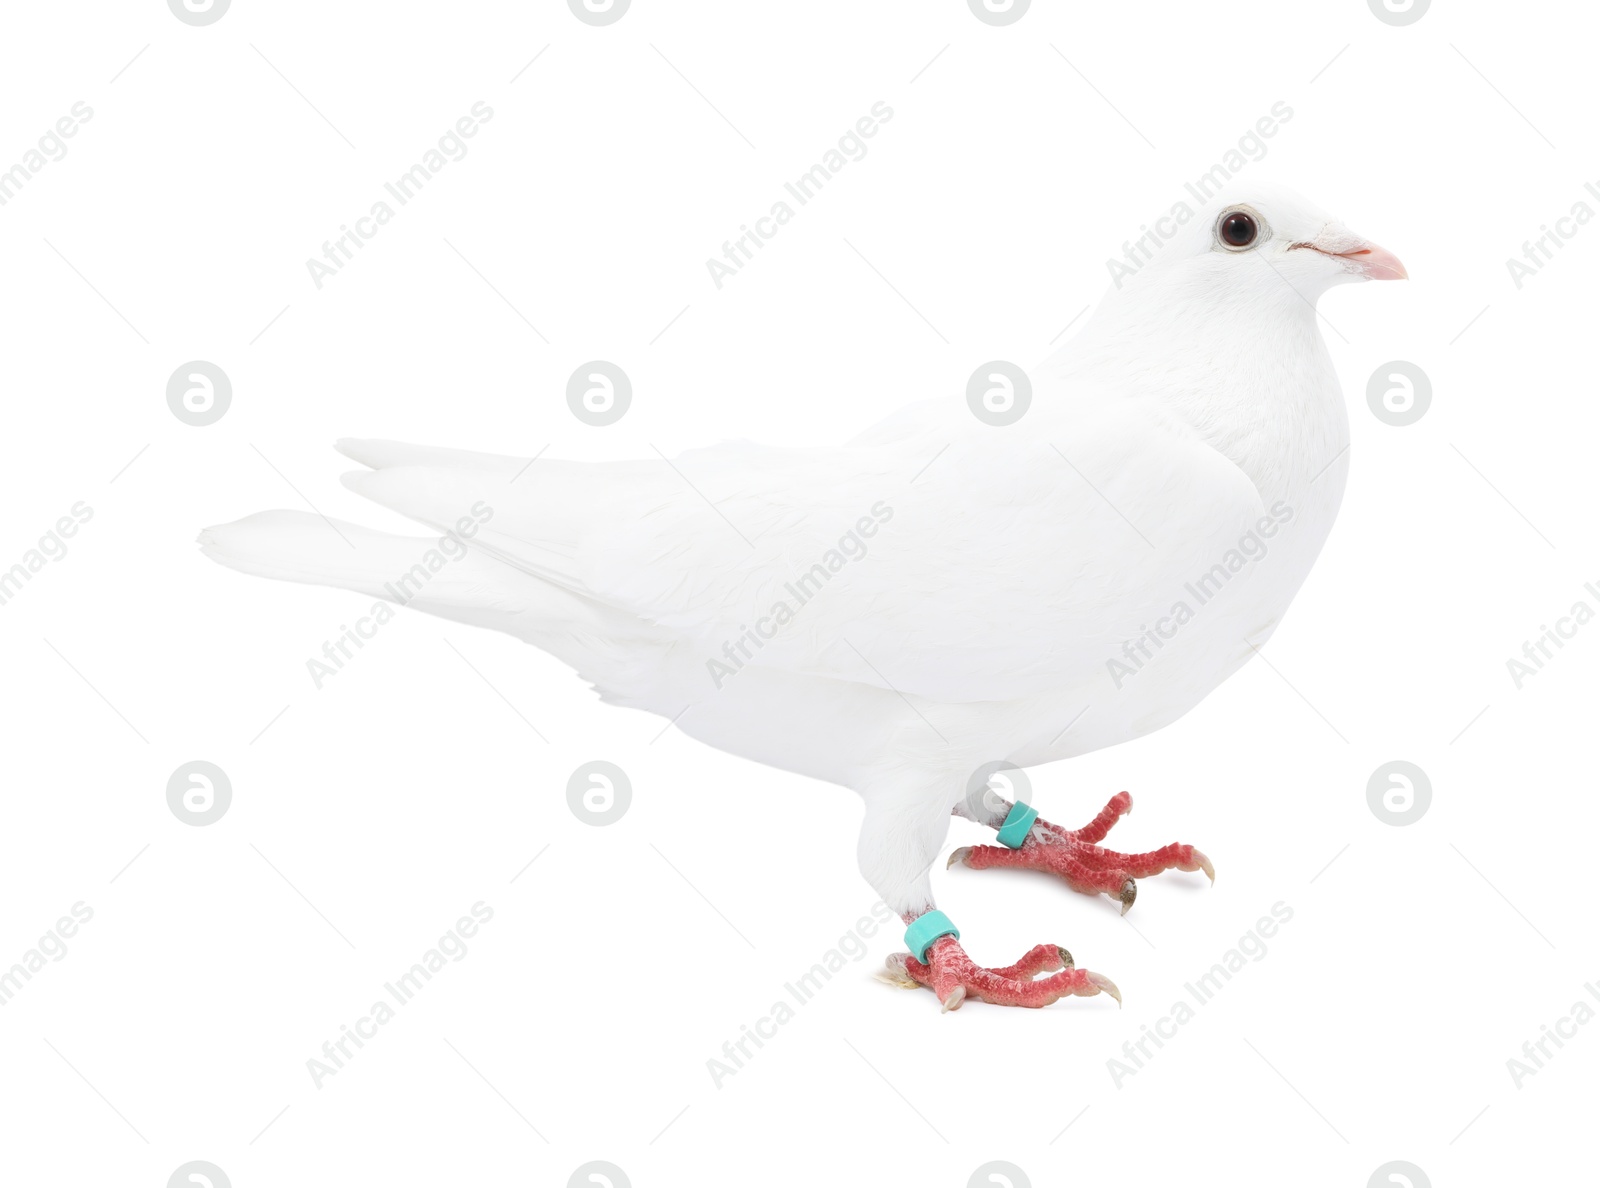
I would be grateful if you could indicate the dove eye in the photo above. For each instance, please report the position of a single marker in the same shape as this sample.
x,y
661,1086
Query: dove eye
x,y
1237,229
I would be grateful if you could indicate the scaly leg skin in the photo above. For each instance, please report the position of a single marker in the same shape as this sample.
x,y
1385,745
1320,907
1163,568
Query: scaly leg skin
x,y
902,832
1074,855
953,976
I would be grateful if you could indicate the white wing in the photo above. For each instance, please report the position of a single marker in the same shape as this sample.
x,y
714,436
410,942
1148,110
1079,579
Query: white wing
x,y
1014,563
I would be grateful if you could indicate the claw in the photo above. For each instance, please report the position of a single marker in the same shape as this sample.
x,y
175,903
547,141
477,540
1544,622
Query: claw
x,y
953,1000
1066,958
1104,985
1201,862
958,855
1130,892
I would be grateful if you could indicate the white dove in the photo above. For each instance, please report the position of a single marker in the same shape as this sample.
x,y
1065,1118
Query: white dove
x,y
941,597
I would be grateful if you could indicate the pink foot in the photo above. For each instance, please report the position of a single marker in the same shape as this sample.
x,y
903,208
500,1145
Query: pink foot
x,y
953,976
1073,855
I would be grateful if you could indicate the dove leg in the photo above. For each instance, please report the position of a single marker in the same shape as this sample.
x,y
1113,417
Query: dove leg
x,y
954,977
900,842
1074,855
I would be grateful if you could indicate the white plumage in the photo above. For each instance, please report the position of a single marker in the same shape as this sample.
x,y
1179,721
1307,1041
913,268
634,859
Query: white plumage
x,y
977,613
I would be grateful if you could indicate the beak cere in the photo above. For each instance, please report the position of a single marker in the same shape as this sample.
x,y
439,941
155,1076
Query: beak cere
x,y
1366,259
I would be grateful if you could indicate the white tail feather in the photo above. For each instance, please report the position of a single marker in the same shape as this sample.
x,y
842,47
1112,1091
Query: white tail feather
x,y
441,576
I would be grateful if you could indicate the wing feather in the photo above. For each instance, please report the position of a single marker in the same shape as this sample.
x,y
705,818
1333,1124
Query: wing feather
x,y
1015,564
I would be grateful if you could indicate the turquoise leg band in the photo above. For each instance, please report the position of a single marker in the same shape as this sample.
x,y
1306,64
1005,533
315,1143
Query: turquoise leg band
x,y
926,929
1017,824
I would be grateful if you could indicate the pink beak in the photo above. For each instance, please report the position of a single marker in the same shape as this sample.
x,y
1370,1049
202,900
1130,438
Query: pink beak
x,y
1375,263
1367,259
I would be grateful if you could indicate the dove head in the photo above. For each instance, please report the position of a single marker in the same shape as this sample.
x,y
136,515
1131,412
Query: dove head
x,y
1258,244
1215,316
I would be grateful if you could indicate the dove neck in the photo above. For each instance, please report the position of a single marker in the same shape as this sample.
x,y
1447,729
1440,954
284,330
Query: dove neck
x,y
1251,377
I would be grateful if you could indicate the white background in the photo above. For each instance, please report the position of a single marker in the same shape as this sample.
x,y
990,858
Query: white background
x,y
369,815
